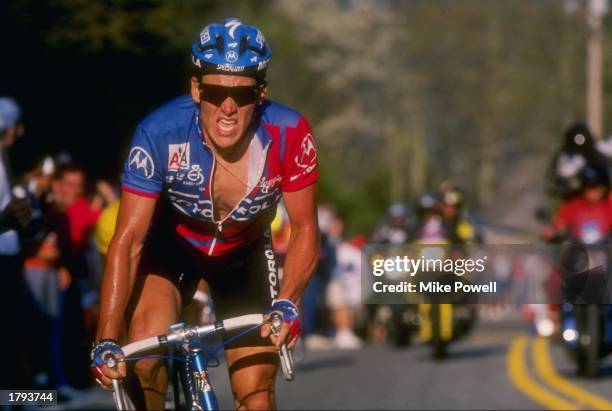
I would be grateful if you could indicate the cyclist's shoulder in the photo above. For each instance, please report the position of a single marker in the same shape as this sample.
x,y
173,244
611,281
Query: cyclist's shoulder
x,y
276,114
172,115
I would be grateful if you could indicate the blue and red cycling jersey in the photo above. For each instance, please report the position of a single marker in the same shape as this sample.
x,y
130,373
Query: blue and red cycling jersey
x,y
168,156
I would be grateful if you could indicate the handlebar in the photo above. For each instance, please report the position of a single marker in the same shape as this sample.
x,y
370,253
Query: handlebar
x,y
181,333
286,358
191,332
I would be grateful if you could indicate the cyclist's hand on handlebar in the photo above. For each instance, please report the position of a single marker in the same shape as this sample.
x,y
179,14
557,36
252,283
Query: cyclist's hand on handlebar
x,y
284,336
290,329
106,364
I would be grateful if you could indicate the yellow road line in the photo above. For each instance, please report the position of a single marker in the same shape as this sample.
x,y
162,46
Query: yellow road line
x,y
546,370
517,371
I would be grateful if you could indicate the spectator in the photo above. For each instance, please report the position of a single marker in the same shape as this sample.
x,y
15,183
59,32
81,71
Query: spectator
x,y
344,291
45,274
14,215
313,302
74,219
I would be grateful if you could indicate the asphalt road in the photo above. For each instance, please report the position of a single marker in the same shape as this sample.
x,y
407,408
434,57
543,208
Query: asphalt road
x,y
499,366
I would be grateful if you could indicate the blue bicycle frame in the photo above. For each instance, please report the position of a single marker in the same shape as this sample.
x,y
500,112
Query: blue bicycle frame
x,y
198,390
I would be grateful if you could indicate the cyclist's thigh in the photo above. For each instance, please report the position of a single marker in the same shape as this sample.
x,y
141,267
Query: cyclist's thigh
x,y
157,307
252,373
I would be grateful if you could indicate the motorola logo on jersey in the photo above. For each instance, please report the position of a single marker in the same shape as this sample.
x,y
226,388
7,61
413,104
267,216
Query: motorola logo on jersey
x,y
140,161
307,155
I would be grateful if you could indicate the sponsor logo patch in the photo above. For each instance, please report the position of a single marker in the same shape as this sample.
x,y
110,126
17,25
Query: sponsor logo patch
x,y
178,156
306,158
195,175
266,185
204,36
227,67
140,161
231,56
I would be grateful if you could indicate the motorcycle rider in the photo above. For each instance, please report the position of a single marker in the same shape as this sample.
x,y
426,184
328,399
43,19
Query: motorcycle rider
x,y
396,226
577,151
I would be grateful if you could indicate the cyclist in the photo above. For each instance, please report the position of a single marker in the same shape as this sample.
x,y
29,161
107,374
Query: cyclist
x,y
205,172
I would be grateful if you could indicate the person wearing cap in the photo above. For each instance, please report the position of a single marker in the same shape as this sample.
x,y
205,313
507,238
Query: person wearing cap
x,y
201,183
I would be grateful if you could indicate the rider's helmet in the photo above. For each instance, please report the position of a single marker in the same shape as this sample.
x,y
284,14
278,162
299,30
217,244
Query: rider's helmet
x,y
454,197
231,48
428,202
397,210
578,139
594,175
399,215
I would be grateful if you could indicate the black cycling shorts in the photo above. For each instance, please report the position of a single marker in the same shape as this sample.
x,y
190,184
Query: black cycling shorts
x,y
241,282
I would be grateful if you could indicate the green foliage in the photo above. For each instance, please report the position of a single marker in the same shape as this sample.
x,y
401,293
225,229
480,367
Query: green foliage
x,y
401,95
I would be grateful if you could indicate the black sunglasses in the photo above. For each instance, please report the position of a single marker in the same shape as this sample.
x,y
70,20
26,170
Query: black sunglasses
x,y
242,95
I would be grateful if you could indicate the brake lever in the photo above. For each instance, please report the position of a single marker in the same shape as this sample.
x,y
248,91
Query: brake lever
x,y
286,357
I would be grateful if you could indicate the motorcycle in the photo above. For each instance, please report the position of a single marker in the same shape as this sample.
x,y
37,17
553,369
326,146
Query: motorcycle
x,y
441,319
398,322
586,328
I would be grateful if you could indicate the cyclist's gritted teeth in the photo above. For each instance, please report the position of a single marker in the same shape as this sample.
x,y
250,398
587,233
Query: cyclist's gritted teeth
x,y
227,127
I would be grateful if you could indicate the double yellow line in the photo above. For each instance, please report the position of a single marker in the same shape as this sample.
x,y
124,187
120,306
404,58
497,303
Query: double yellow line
x,y
560,394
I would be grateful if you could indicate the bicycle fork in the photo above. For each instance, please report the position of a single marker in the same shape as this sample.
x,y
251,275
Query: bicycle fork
x,y
195,377
204,394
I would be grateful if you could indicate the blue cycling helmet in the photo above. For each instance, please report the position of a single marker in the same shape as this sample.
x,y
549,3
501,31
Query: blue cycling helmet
x,y
231,48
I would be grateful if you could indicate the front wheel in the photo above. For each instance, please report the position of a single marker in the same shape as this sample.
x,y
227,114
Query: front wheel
x,y
588,356
437,340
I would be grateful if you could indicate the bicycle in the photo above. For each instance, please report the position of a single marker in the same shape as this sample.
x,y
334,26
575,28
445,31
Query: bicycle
x,y
197,389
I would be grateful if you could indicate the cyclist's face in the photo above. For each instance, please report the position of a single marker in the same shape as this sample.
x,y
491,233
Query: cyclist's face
x,y
224,122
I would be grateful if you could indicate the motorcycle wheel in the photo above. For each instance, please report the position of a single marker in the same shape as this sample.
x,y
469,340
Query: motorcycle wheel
x,y
588,352
438,343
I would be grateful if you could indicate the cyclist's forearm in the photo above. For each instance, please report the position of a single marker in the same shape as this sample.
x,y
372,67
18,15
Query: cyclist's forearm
x,y
117,285
300,263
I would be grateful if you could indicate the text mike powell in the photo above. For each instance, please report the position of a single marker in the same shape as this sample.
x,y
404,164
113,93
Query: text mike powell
x,y
397,267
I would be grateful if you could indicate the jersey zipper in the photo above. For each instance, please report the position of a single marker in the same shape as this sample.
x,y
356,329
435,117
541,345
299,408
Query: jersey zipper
x,y
212,201
214,241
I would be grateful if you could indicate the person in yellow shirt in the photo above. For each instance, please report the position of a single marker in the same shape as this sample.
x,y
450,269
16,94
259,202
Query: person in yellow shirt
x,y
105,227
